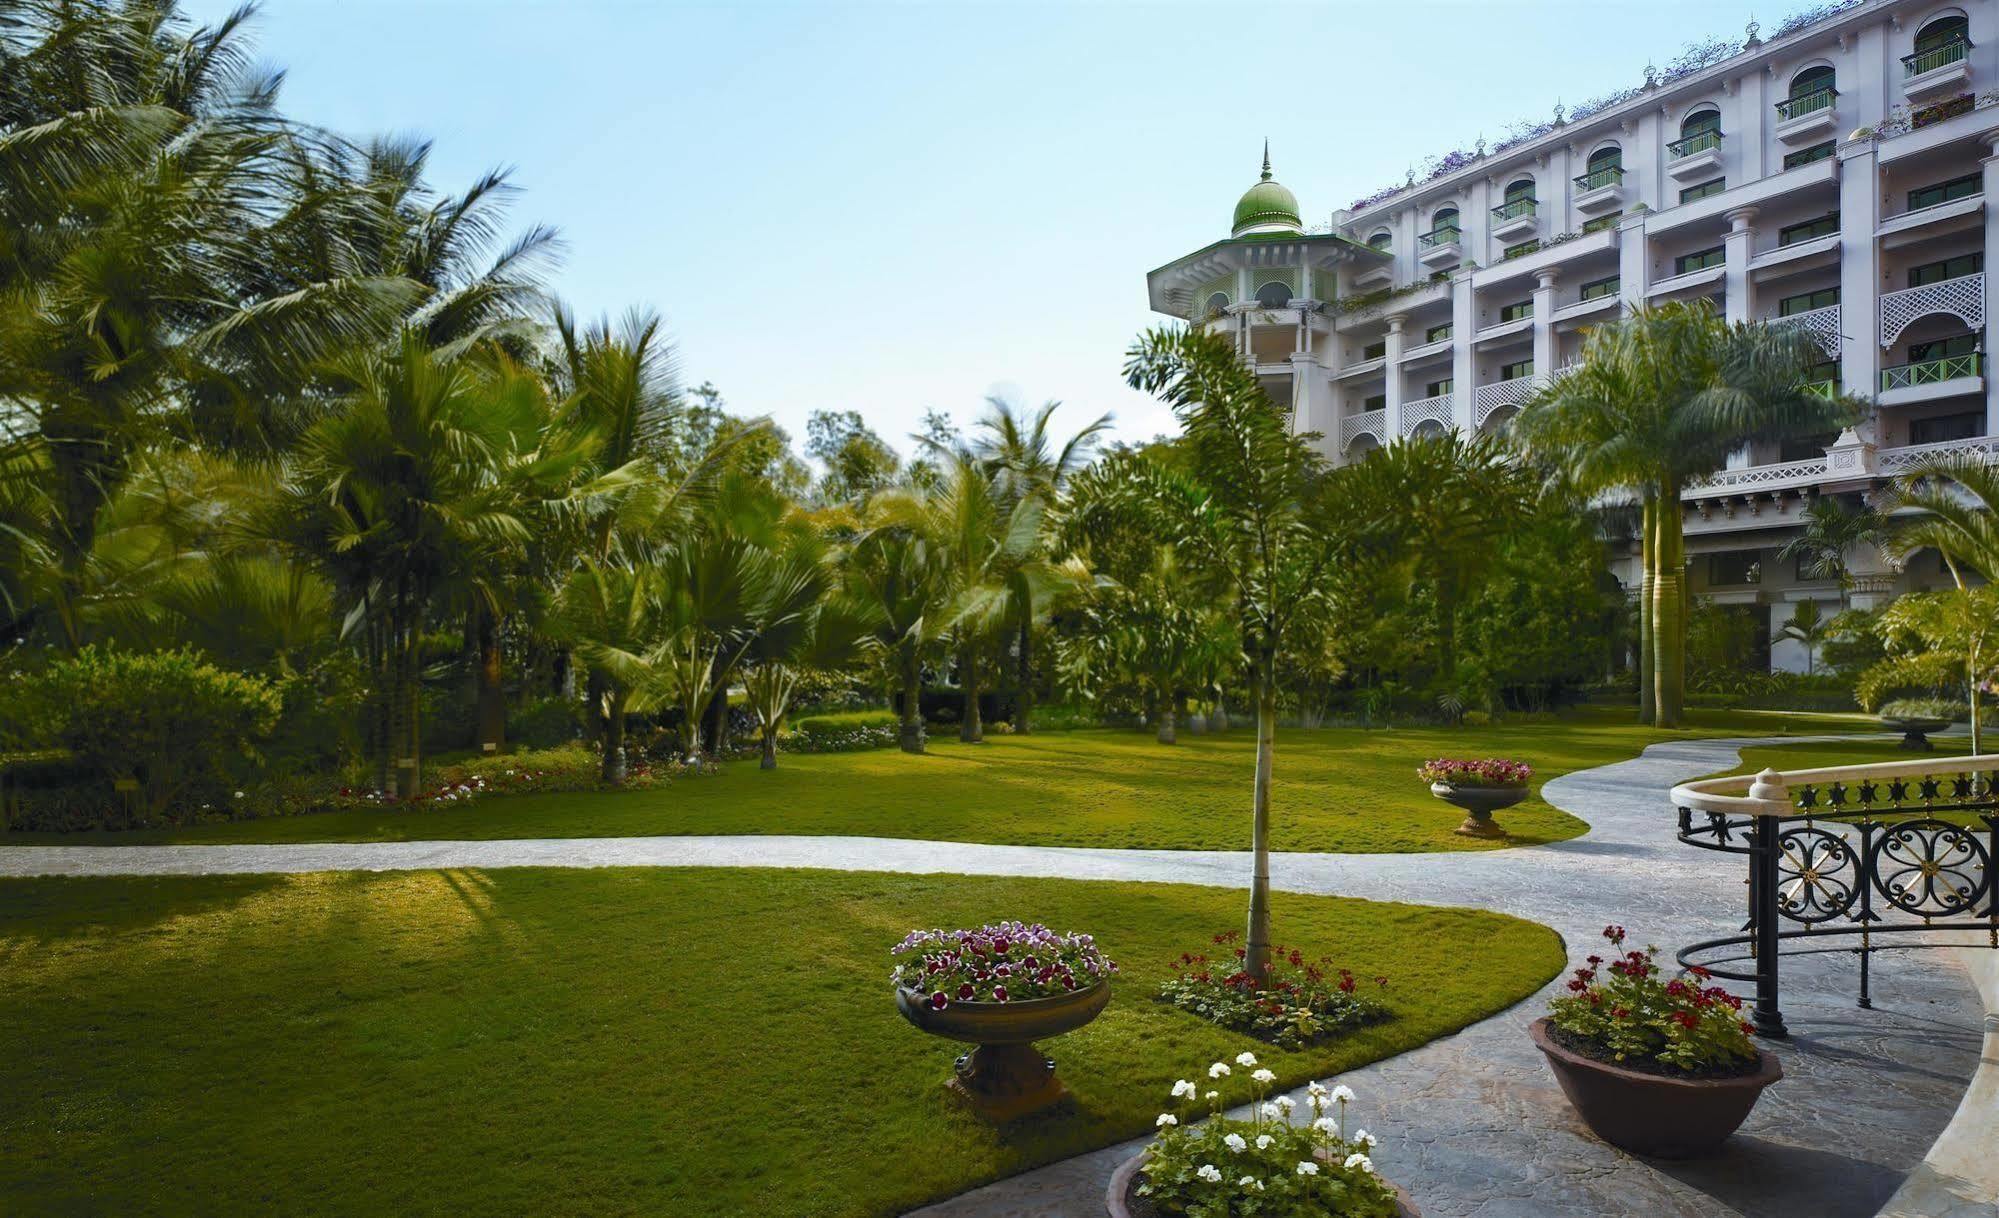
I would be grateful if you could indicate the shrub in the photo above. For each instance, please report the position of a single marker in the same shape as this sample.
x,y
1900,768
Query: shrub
x,y
841,721
544,723
186,732
1300,1003
1632,1017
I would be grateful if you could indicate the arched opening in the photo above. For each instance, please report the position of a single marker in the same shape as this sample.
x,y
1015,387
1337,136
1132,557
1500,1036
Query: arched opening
x,y
1943,32
1379,241
1444,222
1810,81
1523,188
1610,156
1701,122
1428,429
1364,446
1274,295
1217,305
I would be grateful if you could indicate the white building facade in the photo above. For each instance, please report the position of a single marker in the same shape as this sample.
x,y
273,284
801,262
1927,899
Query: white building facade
x,y
1841,176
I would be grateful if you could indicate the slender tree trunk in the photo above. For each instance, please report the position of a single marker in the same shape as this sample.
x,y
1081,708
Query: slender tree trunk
x,y
596,688
912,706
1649,560
971,725
1218,722
379,679
769,760
611,716
1256,959
1023,700
1669,679
1167,733
492,694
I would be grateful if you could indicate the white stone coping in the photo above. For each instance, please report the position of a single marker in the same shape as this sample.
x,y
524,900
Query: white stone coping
x,y
1766,793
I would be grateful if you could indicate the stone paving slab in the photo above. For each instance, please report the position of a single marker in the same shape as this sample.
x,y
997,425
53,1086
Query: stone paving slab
x,y
1472,1123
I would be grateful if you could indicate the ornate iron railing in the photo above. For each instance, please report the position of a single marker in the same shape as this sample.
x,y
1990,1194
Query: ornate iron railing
x,y
1862,853
1609,175
1447,235
1806,103
1932,371
1699,141
1934,58
1513,209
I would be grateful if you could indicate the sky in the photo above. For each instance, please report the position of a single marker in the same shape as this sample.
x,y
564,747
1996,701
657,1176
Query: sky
x,y
893,208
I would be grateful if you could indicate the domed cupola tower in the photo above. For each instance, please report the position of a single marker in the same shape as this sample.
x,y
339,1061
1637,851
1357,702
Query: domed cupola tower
x,y
1267,207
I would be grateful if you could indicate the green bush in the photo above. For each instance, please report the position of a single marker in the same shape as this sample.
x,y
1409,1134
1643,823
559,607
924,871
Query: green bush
x,y
544,723
188,733
845,721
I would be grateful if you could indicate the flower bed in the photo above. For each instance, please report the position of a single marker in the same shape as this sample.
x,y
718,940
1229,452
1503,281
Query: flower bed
x,y
1483,772
1300,1003
1002,962
1266,1164
1682,1027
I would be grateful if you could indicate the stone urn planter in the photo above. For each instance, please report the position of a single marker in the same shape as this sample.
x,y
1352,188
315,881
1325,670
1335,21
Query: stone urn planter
x,y
1005,1076
1479,804
1915,732
1121,1200
1655,1114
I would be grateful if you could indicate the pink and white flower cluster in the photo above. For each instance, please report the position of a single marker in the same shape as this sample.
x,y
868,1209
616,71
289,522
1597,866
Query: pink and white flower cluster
x,y
1479,772
1003,962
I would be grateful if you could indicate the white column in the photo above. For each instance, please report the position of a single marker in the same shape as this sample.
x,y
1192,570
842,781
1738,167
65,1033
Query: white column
x,y
1737,303
1634,260
1859,272
1463,323
1391,374
1753,116
1990,166
1544,326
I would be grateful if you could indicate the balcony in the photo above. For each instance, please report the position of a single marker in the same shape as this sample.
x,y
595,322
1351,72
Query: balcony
x,y
1697,155
1962,298
1821,323
1515,219
1366,423
1785,475
1907,384
1891,461
1827,388
1936,70
1439,246
1487,399
1806,116
1599,190
1426,410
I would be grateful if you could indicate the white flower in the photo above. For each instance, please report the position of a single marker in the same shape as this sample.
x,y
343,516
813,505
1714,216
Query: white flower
x,y
1250,1184
1342,1093
1183,1087
1286,1103
1308,1168
1218,1070
1269,1111
1362,1137
1263,1141
1317,1090
1325,1125
1210,1173
1165,1119
1245,1059
1361,1161
239,794
1264,1076
1235,1143
1212,1095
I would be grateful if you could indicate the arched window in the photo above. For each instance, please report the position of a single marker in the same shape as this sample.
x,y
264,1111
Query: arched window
x,y
1610,156
1942,32
1445,220
1522,189
1273,295
1810,81
1701,122
1379,241
1217,305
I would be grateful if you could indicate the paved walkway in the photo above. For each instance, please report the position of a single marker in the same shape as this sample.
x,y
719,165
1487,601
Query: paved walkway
x,y
1472,1124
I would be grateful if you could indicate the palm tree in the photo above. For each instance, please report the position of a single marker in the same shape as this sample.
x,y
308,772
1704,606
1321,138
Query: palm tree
x,y
1660,400
609,613
1249,514
896,570
1949,501
1831,530
1808,628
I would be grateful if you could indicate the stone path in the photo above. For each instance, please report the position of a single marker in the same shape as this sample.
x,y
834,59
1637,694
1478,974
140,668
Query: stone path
x,y
1472,1124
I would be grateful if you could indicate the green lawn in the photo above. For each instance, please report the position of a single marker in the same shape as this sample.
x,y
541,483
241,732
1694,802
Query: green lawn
x,y
611,1041
1337,789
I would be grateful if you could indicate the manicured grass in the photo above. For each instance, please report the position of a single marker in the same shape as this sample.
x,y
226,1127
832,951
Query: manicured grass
x,y
611,1041
1337,789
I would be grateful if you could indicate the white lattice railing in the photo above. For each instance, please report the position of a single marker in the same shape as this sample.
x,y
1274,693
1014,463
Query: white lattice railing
x,y
1821,324
1423,410
1762,478
1367,422
1962,298
1500,394
1901,460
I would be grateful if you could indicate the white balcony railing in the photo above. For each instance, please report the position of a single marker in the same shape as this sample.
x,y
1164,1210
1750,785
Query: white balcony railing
x,y
1500,394
1367,422
1424,410
1822,324
1762,478
1962,298
1901,460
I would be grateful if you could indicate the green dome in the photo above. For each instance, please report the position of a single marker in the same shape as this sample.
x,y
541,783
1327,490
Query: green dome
x,y
1267,206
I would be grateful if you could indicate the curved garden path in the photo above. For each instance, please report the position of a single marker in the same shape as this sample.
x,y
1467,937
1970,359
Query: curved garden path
x,y
1471,1123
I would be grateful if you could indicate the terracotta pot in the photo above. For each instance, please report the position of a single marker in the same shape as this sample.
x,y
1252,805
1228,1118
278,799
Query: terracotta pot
x,y
1479,804
1915,732
1006,1077
1121,1200
1653,1114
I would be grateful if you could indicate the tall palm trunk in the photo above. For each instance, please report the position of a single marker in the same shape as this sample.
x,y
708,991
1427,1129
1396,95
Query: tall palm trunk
x,y
610,714
971,728
1256,958
1023,699
1168,723
492,701
912,708
1649,561
1669,623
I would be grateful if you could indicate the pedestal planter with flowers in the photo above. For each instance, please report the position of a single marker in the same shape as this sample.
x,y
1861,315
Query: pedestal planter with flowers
x,y
1661,1068
1001,988
1481,787
1263,1165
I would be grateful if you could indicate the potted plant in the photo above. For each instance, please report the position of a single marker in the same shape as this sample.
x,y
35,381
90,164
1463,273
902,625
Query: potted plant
x,y
1916,718
1663,1068
1263,1164
1481,787
1001,988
